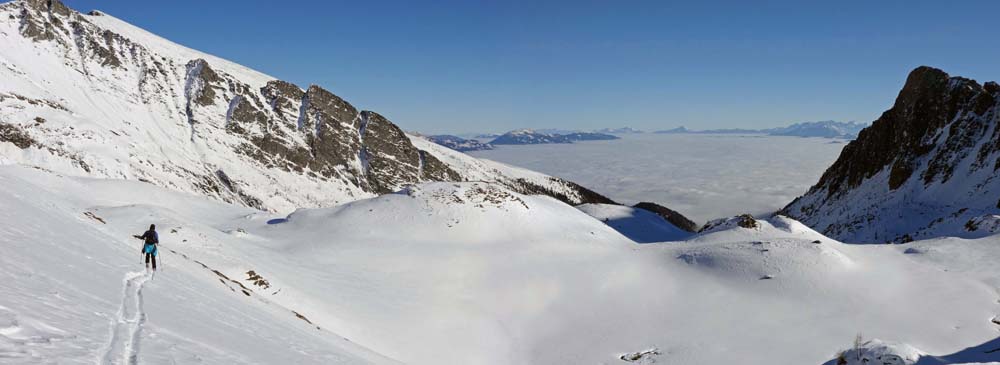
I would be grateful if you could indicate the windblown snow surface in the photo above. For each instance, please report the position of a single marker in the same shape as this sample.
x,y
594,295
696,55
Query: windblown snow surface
x,y
454,273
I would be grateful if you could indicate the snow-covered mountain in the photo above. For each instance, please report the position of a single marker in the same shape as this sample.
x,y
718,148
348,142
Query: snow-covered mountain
x,y
825,129
527,136
92,95
530,136
684,130
106,129
460,144
926,168
622,130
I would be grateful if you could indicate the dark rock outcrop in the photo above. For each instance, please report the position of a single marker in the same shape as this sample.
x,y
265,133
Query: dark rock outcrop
x,y
38,22
16,135
672,216
939,138
390,164
743,221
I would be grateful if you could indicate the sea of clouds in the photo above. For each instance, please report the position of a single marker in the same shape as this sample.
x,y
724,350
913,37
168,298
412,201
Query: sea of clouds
x,y
702,176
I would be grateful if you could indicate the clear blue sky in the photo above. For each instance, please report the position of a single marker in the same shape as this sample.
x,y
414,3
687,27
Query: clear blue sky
x,y
469,66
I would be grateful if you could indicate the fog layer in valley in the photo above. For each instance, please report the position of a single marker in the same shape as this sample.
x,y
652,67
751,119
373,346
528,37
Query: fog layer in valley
x,y
702,176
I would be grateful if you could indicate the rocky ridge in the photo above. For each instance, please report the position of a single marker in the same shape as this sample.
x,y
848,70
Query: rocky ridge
x,y
927,167
92,95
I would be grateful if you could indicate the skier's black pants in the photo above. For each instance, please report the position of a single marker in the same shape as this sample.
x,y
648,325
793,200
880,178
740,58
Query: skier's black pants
x,y
150,256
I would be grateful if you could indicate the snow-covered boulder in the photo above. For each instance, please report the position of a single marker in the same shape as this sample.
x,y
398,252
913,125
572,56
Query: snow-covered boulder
x,y
745,221
878,352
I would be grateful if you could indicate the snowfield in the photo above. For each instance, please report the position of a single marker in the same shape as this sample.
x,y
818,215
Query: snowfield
x,y
454,273
74,290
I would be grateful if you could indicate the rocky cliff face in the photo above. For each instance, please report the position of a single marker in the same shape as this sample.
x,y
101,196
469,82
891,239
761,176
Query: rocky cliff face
x,y
95,96
927,167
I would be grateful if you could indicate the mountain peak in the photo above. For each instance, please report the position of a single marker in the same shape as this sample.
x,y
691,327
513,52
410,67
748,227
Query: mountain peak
x,y
53,6
940,135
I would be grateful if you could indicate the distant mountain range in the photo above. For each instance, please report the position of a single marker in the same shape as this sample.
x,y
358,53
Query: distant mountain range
x,y
460,144
825,129
483,135
622,130
518,137
528,136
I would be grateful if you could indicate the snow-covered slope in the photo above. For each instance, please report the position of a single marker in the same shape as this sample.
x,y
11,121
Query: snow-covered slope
x,y
926,168
637,224
521,180
974,258
74,290
468,273
92,95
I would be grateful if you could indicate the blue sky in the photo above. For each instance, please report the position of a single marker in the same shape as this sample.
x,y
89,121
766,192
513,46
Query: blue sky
x,y
471,66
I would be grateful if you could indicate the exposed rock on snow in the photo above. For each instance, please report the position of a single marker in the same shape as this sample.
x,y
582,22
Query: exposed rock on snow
x,y
894,353
879,352
672,216
743,221
923,169
15,135
637,224
642,357
989,223
517,179
119,102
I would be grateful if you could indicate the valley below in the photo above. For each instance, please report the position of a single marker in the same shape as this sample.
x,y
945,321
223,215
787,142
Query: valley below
x,y
703,176
291,226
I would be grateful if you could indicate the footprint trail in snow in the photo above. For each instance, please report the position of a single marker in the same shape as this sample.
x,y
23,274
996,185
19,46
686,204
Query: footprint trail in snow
x,y
126,326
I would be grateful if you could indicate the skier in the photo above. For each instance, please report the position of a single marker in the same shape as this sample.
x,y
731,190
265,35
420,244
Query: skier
x,y
150,240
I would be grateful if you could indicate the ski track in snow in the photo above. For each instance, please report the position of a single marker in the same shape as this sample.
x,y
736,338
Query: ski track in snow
x,y
126,327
